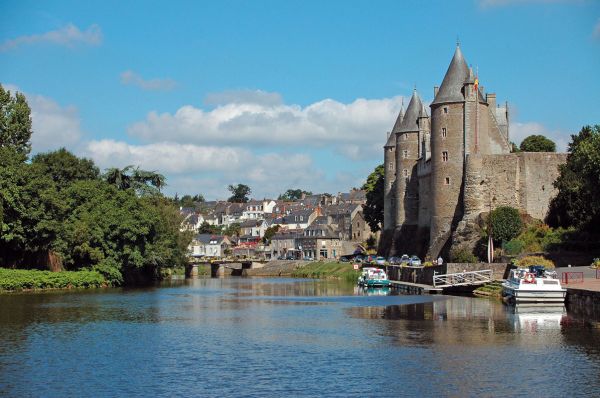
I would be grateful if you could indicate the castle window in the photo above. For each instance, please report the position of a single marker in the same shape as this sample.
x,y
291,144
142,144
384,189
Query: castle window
x,y
391,166
444,156
405,154
405,173
447,182
407,180
444,132
445,109
405,137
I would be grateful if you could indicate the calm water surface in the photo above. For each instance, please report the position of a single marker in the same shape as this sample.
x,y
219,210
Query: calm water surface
x,y
276,337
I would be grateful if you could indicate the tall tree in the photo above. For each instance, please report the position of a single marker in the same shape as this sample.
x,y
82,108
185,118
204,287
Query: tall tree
x,y
373,209
239,193
142,181
15,122
64,168
294,194
578,184
537,143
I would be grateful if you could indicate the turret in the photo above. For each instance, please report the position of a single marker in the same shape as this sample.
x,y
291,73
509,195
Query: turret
x,y
389,158
407,154
447,152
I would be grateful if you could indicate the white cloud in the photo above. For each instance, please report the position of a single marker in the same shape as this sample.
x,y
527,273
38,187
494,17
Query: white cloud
x,y
518,131
209,169
348,128
69,35
243,97
596,31
131,78
53,125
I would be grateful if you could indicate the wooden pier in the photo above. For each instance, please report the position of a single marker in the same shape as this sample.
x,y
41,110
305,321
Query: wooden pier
x,y
416,288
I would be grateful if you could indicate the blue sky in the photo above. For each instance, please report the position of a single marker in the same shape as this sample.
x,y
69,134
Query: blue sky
x,y
278,95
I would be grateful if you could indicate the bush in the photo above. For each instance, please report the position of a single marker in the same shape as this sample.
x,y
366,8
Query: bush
x,y
514,247
19,279
462,255
596,263
534,260
505,223
110,270
537,143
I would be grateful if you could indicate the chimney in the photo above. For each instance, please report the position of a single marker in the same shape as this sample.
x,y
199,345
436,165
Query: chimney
x,y
435,91
491,100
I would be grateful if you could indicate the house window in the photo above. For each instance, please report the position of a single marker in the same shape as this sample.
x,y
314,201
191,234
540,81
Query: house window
x,y
447,181
444,156
444,132
302,218
445,109
405,154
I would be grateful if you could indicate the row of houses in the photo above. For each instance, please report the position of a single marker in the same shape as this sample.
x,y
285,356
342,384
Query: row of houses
x,y
316,227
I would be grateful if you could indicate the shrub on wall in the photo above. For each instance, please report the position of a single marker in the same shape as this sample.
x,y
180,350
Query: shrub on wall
x,y
462,255
535,260
505,223
514,247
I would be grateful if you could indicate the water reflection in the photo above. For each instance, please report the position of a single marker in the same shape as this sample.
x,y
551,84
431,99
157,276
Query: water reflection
x,y
273,337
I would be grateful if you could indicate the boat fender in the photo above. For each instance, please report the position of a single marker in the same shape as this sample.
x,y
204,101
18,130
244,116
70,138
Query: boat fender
x,y
529,278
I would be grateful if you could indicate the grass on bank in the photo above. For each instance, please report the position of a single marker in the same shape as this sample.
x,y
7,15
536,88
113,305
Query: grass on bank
x,y
492,289
327,270
20,279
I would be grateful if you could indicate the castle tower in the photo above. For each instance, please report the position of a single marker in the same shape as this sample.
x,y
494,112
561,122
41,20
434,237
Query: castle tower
x,y
448,152
389,156
407,154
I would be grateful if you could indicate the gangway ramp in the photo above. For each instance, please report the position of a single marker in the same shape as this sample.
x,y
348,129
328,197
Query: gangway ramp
x,y
470,278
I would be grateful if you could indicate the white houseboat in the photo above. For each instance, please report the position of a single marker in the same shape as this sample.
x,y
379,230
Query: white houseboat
x,y
533,285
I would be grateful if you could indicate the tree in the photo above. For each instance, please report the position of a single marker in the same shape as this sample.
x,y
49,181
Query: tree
x,y
206,228
240,193
373,209
293,194
141,181
505,223
65,168
537,143
233,229
15,122
269,233
576,204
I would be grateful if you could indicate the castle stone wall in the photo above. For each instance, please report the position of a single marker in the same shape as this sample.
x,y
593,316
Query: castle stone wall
x,y
519,180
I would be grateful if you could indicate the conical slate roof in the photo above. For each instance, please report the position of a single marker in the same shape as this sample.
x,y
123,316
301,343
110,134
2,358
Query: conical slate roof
x,y
391,142
456,75
409,123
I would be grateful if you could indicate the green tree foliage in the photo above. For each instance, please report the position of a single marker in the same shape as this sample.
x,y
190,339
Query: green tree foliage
x,y
190,201
293,194
64,168
32,211
537,143
239,193
206,228
141,181
15,122
577,203
505,223
269,233
232,229
373,210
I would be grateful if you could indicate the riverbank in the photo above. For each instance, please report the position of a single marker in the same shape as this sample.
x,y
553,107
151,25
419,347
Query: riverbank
x,y
329,270
12,280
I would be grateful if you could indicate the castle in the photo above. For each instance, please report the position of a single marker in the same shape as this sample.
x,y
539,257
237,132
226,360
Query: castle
x,y
444,168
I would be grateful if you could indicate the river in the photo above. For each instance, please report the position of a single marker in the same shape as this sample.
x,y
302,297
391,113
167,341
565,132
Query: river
x,y
288,337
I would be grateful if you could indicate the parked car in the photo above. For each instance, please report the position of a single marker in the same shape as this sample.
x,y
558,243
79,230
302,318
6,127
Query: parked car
x,y
380,260
394,260
415,261
405,259
345,259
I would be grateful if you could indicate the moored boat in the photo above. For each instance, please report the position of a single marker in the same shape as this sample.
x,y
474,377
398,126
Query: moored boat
x,y
373,277
533,285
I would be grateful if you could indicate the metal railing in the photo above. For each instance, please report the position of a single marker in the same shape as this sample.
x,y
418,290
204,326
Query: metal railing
x,y
462,278
572,277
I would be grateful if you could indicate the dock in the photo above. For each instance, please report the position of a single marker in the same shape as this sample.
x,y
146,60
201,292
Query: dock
x,y
416,288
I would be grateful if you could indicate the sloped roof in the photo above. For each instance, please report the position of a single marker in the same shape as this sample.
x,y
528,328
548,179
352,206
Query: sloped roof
x,y
391,142
456,75
409,123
